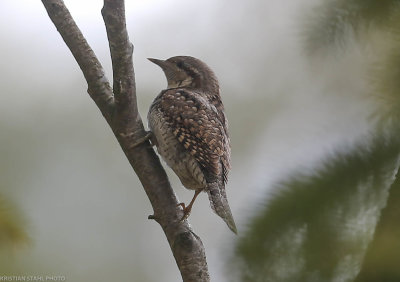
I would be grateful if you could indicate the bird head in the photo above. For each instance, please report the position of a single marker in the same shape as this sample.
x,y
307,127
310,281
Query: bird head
x,y
188,72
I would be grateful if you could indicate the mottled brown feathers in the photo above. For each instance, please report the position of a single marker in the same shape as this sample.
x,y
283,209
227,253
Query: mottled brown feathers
x,y
199,128
188,122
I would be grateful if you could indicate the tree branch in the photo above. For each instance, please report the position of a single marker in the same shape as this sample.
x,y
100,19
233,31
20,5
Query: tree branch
x,y
119,107
121,55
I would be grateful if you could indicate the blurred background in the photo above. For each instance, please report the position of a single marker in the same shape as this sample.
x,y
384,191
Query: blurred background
x,y
310,89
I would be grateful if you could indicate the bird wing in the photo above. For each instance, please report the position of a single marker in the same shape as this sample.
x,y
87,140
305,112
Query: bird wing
x,y
197,125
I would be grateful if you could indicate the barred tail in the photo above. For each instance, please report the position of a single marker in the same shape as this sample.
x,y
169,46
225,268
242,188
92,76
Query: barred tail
x,y
219,204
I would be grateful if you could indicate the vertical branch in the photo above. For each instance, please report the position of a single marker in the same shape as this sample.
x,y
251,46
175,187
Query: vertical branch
x,y
119,107
121,50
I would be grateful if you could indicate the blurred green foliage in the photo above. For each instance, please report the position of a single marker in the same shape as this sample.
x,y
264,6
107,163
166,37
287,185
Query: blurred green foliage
x,y
13,227
381,262
317,227
342,221
330,22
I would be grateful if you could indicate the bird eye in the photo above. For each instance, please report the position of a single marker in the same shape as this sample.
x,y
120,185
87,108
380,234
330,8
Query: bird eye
x,y
180,64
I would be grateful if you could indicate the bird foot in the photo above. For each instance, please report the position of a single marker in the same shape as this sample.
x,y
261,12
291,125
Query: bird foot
x,y
186,210
148,136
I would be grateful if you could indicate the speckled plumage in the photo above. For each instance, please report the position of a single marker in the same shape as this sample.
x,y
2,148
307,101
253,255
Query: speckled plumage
x,y
189,125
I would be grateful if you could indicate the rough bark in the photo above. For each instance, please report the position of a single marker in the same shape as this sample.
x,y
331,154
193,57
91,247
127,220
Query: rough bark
x,y
119,108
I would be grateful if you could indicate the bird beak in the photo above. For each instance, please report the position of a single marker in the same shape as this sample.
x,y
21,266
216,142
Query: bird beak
x,y
169,70
160,63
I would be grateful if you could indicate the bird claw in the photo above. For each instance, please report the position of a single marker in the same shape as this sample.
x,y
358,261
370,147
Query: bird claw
x,y
186,211
141,140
